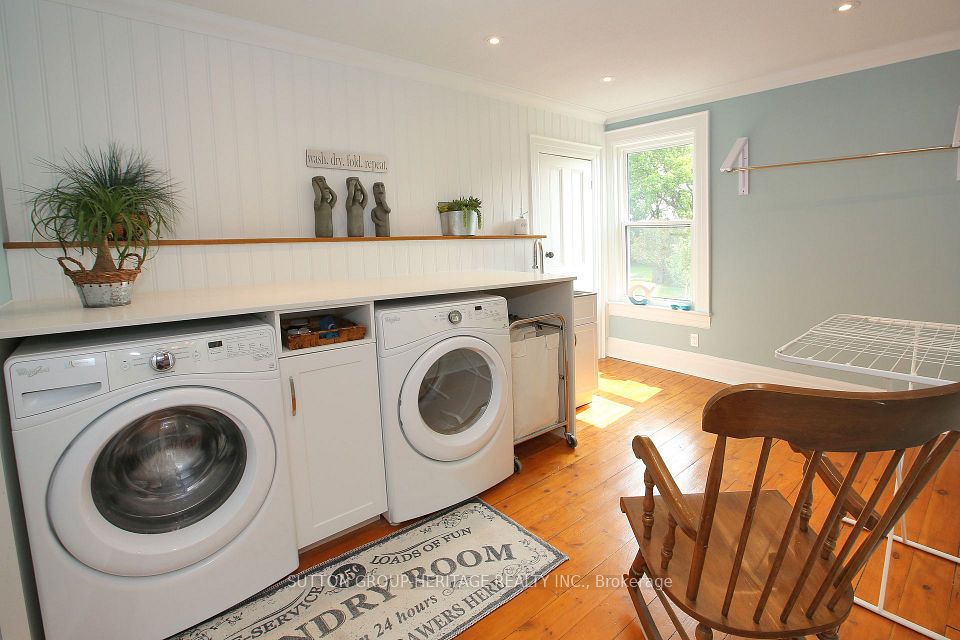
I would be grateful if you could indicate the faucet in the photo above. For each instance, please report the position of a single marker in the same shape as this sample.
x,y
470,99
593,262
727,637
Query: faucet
x,y
538,255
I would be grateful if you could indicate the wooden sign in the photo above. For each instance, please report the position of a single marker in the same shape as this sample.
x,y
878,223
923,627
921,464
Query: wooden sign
x,y
346,160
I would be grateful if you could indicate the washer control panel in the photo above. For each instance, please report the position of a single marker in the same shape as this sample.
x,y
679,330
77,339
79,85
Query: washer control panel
x,y
243,351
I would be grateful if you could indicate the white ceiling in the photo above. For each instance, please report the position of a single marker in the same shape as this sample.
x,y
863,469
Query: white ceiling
x,y
658,50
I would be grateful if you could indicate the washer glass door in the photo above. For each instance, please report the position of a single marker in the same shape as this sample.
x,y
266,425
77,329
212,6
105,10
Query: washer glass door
x,y
169,469
162,481
454,398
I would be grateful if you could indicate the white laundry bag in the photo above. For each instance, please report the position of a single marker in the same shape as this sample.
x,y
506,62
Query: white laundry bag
x,y
536,380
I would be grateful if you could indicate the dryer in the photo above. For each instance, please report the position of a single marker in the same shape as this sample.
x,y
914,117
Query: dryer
x,y
445,393
152,468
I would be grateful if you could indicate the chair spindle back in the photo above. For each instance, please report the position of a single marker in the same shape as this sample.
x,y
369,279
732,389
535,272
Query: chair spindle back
x,y
817,423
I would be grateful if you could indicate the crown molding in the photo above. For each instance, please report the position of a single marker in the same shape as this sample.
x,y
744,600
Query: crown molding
x,y
193,19
901,52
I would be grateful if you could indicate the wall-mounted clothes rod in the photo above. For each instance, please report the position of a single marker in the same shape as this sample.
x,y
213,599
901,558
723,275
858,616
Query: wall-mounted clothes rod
x,y
860,156
737,161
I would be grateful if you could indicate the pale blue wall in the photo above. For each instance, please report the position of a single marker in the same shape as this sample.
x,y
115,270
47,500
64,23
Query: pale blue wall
x,y
878,237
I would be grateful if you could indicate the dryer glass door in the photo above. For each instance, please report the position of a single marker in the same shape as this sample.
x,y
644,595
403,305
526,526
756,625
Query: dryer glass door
x,y
455,391
454,398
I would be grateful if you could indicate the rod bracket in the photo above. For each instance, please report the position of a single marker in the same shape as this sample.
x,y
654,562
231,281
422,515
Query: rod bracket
x,y
737,160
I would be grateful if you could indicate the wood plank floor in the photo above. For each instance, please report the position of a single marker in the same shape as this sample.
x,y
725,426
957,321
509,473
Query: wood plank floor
x,y
570,498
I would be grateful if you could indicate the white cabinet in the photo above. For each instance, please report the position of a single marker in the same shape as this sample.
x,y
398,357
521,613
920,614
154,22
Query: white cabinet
x,y
584,308
333,432
586,374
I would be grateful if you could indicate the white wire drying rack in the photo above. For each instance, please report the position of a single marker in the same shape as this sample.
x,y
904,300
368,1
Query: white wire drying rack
x,y
926,353
908,350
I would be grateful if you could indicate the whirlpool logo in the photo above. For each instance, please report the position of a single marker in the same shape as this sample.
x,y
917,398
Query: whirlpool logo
x,y
29,373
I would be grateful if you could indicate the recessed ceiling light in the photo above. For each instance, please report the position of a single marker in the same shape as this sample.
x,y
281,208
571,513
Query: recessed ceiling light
x,y
849,5
607,79
493,40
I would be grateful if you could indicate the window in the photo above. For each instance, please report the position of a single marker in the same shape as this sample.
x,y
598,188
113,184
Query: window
x,y
659,265
659,221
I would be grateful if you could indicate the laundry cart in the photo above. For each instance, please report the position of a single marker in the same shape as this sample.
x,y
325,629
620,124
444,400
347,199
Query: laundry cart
x,y
541,380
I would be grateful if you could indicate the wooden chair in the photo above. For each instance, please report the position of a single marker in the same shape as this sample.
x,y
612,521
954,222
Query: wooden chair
x,y
748,563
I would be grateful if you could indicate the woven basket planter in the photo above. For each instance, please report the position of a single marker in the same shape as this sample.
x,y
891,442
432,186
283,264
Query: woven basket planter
x,y
100,288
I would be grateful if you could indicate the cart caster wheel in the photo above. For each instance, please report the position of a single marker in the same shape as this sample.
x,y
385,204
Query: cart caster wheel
x,y
571,441
517,466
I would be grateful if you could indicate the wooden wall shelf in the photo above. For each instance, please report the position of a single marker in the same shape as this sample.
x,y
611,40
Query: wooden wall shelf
x,y
180,243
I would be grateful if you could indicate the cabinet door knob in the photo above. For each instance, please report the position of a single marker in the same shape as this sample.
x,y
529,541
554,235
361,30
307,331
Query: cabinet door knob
x,y
293,397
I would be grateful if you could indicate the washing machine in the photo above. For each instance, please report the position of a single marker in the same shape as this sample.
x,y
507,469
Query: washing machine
x,y
152,468
445,393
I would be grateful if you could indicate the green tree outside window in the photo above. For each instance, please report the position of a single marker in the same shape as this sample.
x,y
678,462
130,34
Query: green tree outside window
x,y
660,189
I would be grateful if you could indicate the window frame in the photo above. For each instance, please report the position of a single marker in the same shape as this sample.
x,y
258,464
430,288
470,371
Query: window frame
x,y
687,129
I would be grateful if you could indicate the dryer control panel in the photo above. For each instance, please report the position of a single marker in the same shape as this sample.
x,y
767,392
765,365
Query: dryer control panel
x,y
245,351
405,324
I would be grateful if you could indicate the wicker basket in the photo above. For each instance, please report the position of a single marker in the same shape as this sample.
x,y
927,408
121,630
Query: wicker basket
x,y
100,288
82,275
313,339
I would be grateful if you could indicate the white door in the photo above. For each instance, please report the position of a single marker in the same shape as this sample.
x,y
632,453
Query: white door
x,y
563,211
334,439
162,481
453,399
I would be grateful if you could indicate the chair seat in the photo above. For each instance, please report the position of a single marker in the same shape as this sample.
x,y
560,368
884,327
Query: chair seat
x,y
773,511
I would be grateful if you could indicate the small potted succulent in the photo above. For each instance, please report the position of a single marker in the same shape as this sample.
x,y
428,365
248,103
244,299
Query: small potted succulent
x,y
461,217
109,202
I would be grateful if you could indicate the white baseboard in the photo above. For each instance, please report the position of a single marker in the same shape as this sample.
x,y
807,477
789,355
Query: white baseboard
x,y
719,369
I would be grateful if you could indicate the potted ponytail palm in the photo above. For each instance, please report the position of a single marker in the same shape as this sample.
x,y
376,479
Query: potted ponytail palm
x,y
107,202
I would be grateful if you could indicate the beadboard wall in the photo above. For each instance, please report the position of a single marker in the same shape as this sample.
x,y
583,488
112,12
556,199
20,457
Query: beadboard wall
x,y
230,108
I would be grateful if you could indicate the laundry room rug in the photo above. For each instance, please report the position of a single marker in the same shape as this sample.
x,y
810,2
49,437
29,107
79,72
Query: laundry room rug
x,y
428,581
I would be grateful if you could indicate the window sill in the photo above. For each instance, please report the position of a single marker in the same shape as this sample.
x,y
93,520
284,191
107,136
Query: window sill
x,y
697,319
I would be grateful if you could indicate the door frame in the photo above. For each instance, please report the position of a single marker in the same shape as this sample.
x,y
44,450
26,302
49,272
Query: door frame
x,y
593,154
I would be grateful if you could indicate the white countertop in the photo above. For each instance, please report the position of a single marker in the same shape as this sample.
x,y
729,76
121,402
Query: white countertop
x,y
21,319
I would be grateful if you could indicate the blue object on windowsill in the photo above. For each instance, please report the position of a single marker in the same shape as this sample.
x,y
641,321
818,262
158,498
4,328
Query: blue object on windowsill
x,y
639,301
681,306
